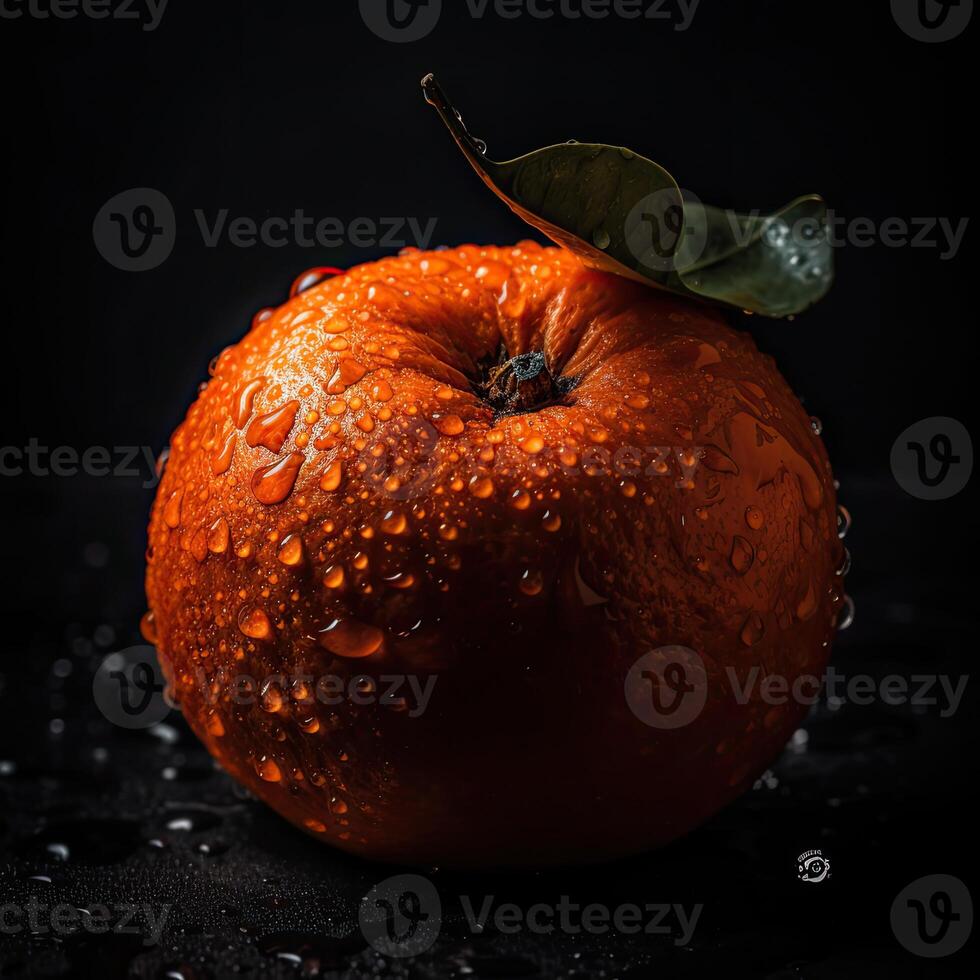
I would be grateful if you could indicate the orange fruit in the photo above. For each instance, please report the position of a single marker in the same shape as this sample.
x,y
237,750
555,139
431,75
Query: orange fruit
x,y
424,520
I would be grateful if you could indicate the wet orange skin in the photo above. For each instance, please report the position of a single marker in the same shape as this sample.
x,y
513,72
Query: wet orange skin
x,y
340,502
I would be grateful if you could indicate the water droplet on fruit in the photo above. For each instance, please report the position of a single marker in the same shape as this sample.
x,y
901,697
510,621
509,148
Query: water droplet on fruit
x,y
272,484
350,638
268,770
291,550
481,486
262,315
394,523
742,555
846,617
311,277
171,510
843,521
808,604
271,697
520,500
221,460
270,430
243,400
219,536
449,425
531,582
714,459
752,630
550,522
148,627
253,622
755,518
332,476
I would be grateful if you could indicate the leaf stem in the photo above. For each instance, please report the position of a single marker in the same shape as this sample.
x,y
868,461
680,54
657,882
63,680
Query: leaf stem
x,y
475,149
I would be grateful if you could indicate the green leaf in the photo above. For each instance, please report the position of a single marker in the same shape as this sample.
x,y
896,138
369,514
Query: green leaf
x,y
623,213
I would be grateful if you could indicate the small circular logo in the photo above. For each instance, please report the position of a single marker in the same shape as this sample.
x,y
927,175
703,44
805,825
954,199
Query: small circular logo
x,y
667,687
666,230
401,916
401,21
813,867
128,688
933,458
933,916
932,21
135,230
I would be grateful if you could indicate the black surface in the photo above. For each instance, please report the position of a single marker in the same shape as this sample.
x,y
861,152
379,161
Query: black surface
x,y
263,108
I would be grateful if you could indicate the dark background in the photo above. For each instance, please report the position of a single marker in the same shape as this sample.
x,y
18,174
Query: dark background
x,y
264,108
